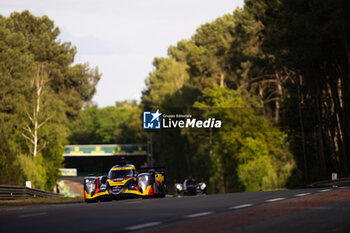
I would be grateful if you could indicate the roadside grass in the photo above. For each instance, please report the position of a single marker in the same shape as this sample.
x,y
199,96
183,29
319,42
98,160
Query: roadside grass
x,y
40,200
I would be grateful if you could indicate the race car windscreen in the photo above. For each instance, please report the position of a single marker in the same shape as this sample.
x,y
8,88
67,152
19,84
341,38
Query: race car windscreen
x,y
121,173
190,183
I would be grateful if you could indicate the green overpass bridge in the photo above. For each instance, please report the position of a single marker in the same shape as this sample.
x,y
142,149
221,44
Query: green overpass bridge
x,y
98,159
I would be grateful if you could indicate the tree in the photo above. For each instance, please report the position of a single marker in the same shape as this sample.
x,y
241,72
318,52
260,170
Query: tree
x,y
311,41
249,153
227,53
37,102
129,128
74,85
168,77
110,125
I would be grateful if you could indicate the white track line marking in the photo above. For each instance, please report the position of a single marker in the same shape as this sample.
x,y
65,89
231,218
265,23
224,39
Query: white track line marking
x,y
198,215
324,190
31,215
241,206
343,187
302,194
137,227
276,199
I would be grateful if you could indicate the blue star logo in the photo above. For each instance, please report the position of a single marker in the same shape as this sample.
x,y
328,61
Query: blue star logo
x,y
151,120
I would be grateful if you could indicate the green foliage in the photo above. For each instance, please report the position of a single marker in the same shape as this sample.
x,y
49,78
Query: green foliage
x,y
169,76
73,84
286,58
30,51
257,171
311,42
128,128
293,57
248,151
31,169
257,175
8,166
110,125
105,124
227,53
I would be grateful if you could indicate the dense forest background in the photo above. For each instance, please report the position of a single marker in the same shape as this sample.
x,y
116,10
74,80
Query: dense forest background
x,y
275,72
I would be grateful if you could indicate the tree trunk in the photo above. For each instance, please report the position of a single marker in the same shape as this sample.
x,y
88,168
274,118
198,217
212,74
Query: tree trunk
x,y
38,85
261,94
302,131
323,165
222,79
339,126
279,93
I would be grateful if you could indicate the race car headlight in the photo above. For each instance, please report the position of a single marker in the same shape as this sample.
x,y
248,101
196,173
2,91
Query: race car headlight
x,y
202,186
143,180
178,187
90,186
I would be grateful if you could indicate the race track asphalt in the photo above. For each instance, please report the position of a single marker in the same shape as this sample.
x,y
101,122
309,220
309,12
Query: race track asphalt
x,y
302,210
